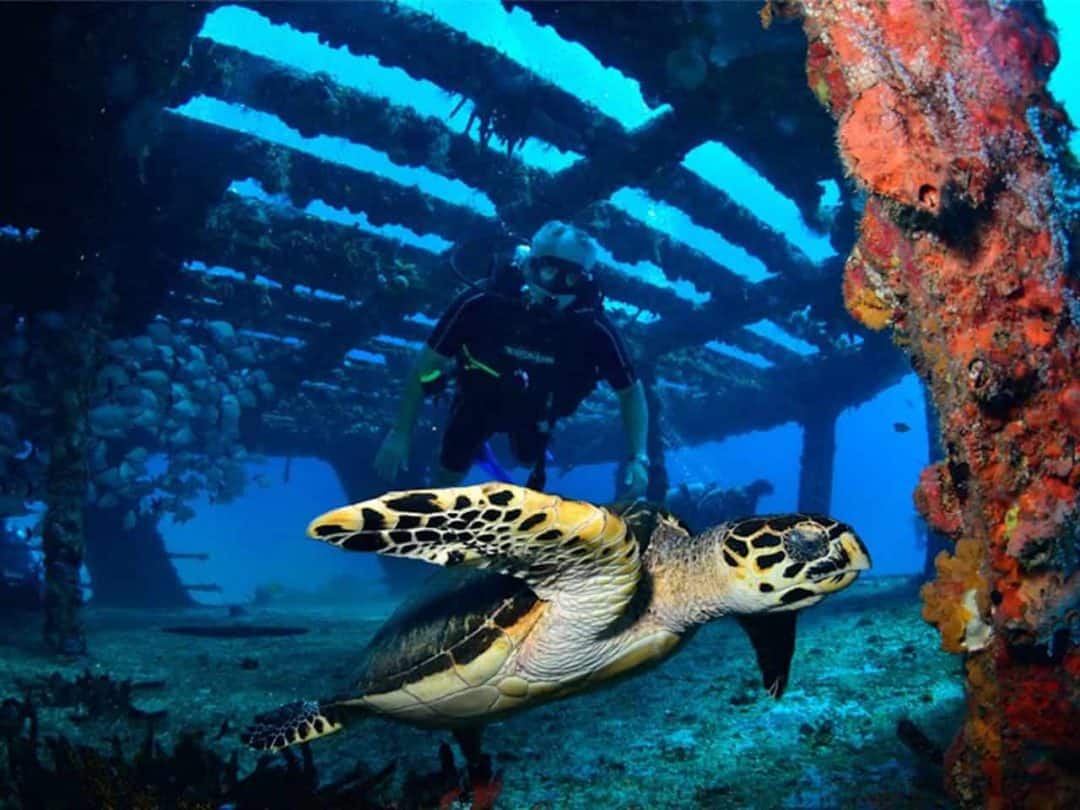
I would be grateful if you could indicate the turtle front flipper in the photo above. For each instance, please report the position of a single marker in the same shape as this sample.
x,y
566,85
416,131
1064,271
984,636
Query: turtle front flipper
x,y
296,722
571,552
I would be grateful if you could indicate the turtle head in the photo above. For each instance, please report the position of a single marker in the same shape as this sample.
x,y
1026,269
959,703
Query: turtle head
x,y
787,562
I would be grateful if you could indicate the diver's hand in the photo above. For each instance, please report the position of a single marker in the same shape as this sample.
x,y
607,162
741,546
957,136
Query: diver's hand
x,y
636,479
393,455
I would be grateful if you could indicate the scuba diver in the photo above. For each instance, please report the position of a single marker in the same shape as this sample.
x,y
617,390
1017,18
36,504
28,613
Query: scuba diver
x,y
699,504
524,348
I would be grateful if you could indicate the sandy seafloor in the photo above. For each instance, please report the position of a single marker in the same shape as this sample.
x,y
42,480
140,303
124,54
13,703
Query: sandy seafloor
x,y
697,732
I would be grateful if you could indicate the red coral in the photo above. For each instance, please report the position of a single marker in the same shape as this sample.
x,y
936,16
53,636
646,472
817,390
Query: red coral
x,y
879,133
936,502
1069,400
1042,509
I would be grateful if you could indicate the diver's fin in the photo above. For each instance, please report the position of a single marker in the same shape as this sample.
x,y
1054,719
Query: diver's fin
x,y
773,637
579,554
297,722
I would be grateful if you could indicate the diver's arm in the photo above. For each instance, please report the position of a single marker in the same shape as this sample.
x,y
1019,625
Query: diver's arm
x,y
393,454
428,362
635,418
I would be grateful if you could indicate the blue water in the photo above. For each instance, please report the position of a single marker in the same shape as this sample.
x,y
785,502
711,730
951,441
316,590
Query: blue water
x,y
1063,84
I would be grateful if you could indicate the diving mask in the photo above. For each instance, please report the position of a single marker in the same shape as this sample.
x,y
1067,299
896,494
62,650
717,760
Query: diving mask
x,y
556,276
554,284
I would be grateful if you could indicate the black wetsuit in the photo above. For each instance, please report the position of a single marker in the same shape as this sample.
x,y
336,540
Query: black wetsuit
x,y
519,369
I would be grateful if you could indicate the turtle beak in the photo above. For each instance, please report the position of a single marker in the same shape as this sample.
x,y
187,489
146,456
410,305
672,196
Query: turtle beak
x,y
847,556
856,551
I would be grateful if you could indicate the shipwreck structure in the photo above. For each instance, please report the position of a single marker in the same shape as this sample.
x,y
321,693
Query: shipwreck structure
x,y
154,303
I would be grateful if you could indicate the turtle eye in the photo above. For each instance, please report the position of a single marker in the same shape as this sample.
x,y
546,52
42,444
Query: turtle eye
x,y
805,542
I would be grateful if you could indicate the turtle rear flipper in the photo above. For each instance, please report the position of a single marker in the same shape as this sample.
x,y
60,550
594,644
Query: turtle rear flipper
x,y
580,556
296,722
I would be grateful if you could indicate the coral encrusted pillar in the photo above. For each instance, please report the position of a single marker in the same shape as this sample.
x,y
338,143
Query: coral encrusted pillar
x,y
67,478
654,439
944,120
73,344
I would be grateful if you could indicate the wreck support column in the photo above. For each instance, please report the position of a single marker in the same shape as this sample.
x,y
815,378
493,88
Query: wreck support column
x,y
654,438
962,251
63,540
816,461
73,344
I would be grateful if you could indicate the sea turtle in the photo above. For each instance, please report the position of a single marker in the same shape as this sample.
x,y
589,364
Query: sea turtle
x,y
573,595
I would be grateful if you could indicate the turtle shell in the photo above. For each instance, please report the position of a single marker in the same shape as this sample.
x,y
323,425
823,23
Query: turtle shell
x,y
455,617
456,612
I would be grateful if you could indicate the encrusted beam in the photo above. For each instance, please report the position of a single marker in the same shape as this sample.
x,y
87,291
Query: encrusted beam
x,y
229,155
632,241
775,353
514,101
248,305
314,104
716,319
740,300
627,161
292,248
712,208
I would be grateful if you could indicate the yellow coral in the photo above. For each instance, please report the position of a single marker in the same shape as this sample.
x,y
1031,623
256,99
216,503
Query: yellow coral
x,y
1012,519
820,89
983,726
869,309
956,601
862,282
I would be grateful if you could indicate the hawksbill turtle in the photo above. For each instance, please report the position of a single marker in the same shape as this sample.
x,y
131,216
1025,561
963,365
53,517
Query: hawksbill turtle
x,y
547,597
